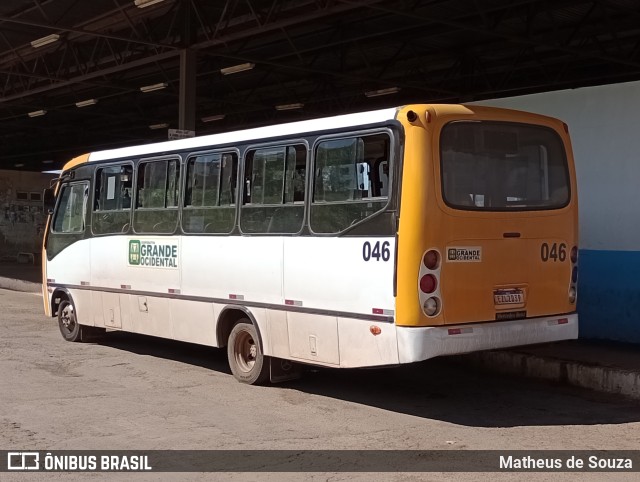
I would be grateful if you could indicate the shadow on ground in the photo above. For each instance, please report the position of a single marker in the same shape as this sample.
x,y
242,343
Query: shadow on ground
x,y
25,272
439,389
197,355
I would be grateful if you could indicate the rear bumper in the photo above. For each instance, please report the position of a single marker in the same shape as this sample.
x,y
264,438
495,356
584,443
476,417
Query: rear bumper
x,y
421,343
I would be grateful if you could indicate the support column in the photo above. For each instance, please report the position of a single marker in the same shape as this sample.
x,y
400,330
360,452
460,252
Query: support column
x,y
187,108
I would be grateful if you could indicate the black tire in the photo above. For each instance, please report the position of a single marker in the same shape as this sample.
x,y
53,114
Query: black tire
x,y
246,360
67,322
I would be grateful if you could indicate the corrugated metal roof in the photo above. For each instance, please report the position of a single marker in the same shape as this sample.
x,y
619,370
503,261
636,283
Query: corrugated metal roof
x,y
324,54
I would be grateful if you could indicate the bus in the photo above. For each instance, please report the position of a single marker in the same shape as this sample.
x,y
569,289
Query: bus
x,y
369,239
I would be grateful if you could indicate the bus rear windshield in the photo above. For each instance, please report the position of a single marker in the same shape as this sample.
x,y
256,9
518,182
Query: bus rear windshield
x,y
499,166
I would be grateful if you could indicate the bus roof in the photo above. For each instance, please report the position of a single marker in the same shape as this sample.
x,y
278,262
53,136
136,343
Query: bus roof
x,y
278,130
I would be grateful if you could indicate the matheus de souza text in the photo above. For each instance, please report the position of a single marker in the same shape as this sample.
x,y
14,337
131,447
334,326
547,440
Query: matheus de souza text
x,y
592,462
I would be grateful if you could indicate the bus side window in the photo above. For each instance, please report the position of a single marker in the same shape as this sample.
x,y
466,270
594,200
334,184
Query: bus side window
x,y
296,174
209,204
274,190
228,179
112,199
157,194
69,217
383,177
351,181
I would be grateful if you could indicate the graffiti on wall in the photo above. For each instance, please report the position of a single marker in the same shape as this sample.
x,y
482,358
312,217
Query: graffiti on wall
x,y
22,213
22,219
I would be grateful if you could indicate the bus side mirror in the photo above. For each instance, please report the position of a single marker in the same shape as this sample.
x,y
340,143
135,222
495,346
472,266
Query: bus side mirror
x,y
48,201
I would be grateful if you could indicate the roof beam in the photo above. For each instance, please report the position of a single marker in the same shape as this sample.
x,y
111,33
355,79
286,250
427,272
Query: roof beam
x,y
498,34
89,33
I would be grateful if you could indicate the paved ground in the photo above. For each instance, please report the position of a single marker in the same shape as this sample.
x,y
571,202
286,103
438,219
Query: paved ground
x,y
133,392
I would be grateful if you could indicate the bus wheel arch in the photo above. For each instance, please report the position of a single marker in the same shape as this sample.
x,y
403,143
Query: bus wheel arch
x,y
229,316
58,296
63,308
238,331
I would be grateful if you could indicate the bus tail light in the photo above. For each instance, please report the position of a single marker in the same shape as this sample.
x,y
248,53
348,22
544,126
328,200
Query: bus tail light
x,y
574,254
431,306
428,283
431,259
573,288
429,295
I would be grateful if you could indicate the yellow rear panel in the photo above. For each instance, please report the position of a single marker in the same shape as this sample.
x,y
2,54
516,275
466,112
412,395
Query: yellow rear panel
x,y
494,265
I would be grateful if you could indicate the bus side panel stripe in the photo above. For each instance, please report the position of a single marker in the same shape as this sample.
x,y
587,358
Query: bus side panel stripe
x,y
205,299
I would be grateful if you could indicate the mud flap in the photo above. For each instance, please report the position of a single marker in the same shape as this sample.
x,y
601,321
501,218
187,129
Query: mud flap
x,y
283,370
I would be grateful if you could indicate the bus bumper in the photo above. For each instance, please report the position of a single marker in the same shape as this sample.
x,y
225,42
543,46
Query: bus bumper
x,y
421,343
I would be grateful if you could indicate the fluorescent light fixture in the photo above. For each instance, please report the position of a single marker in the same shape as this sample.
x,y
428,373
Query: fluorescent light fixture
x,y
234,69
212,118
377,93
297,105
158,126
152,87
85,103
37,113
48,161
18,165
55,171
146,3
49,39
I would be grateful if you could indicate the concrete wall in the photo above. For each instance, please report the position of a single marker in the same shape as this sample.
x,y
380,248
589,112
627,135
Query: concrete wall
x,y
606,145
21,220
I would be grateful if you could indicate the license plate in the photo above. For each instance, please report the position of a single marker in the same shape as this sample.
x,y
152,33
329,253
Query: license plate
x,y
508,297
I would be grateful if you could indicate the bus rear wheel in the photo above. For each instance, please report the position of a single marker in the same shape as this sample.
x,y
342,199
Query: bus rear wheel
x,y
67,322
246,360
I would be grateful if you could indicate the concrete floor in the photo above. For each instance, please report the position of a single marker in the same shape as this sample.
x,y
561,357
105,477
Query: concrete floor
x,y
140,393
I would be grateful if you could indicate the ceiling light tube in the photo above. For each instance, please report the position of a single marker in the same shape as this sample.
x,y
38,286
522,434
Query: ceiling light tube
x,y
158,126
212,118
37,113
152,87
85,103
297,105
234,69
146,3
377,93
49,39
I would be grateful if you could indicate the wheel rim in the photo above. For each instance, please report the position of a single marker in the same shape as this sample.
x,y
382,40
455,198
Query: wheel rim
x,y
246,351
68,319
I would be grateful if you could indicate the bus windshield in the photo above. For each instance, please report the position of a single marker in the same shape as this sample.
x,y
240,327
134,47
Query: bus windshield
x,y
497,166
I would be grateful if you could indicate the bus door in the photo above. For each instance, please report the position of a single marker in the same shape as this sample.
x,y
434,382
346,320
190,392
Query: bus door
x,y
66,245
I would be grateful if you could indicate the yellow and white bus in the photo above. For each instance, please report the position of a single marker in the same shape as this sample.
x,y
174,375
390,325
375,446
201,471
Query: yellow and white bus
x,y
360,240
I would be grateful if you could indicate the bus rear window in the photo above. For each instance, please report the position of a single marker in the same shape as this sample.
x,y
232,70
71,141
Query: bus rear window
x,y
498,166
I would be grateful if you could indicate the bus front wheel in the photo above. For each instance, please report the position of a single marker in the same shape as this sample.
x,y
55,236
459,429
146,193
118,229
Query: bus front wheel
x,y
246,360
69,326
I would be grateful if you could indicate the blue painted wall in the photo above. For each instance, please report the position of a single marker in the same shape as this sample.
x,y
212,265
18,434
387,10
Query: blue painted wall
x,y
609,295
